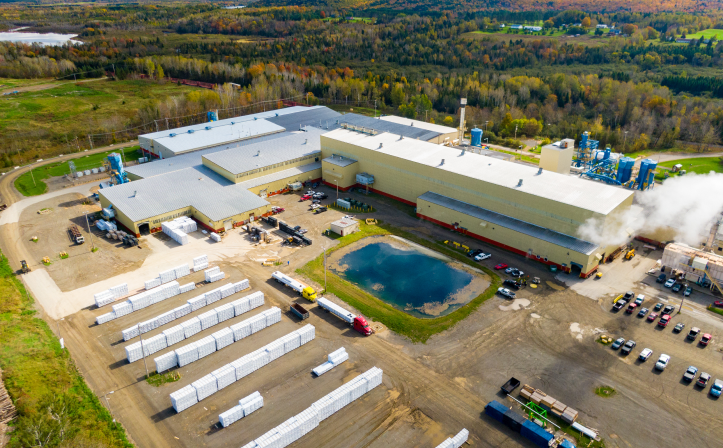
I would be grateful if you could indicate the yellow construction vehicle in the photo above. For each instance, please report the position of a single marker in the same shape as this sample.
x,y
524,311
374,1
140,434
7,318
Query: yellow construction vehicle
x,y
630,254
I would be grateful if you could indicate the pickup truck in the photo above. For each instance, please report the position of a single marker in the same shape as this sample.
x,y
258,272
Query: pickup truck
x,y
511,384
619,304
689,374
299,311
693,333
663,322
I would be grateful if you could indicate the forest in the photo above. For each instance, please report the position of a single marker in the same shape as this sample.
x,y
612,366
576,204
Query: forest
x,y
634,90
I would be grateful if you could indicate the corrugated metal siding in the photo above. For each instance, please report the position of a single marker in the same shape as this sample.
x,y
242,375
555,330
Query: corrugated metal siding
x,y
542,233
318,117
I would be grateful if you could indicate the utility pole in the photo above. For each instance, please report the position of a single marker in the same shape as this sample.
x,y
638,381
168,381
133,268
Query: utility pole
x,y
625,139
337,189
156,122
143,350
515,132
375,110
92,244
32,177
324,269
108,403
90,139
167,124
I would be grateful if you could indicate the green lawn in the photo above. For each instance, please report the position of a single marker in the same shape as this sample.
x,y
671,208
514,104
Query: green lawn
x,y
48,391
32,184
698,165
706,34
417,330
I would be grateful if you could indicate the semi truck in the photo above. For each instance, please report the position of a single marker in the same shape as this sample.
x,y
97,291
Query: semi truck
x,y
359,323
303,290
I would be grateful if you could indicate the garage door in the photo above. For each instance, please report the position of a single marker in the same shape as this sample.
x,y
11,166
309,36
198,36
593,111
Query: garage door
x,y
228,224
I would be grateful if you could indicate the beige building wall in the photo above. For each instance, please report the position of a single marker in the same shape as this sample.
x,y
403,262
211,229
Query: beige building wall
x,y
513,240
262,171
553,158
345,176
408,180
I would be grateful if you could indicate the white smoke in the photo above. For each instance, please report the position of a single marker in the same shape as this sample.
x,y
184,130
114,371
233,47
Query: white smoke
x,y
687,204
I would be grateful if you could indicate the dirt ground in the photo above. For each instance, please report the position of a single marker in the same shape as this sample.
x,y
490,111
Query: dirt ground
x,y
82,267
430,391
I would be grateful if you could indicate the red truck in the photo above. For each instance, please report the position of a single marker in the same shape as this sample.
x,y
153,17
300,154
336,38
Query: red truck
x,y
663,322
359,323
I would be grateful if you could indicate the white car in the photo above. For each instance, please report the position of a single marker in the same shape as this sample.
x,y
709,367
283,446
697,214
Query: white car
x,y
482,256
645,354
670,283
662,362
506,293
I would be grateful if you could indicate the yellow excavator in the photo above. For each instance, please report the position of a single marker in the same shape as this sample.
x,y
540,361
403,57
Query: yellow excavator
x,y
630,254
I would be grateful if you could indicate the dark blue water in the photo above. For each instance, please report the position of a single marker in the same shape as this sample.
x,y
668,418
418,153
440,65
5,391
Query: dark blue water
x,y
404,278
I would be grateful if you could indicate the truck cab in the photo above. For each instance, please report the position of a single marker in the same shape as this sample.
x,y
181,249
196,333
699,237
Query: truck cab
x,y
309,294
362,326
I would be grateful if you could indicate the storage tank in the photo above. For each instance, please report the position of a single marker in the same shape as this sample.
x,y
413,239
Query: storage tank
x,y
625,169
476,137
646,167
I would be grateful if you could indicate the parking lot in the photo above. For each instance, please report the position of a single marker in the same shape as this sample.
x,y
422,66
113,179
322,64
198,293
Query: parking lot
x,y
546,338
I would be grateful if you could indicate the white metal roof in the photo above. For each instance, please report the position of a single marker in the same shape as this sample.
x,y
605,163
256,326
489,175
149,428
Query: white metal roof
x,y
210,135
585,194
419,124
258,155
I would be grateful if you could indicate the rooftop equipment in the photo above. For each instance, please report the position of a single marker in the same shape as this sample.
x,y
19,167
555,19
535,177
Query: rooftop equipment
x,y
117,173
476,137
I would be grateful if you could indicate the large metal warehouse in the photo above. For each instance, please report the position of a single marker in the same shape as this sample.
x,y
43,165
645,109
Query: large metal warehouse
x,y
518,207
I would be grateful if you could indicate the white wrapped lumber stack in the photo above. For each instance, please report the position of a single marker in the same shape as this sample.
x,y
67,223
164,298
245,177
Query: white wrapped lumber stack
x,y
273,316
233,415
301,424
140,301
103,318
252,403
338,356
187,354
225,376
134,352
209,272
240,286
184,398
182,270
205,387
145,327
174,335
191,326
167,276
213,296
154,344
165,362
223,338
208,319
197,302
104,298
206,346
130,333
200,262
227,290
182,310
123,308
225,312
150,284
166,318
216,277
119,290
187,287
215,237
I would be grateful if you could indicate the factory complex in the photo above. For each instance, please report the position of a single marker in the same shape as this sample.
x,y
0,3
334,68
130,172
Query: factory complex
x,y
221,174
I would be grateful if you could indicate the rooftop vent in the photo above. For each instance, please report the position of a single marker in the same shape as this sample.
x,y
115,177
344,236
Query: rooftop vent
x,y
208,128
135,192
539,171
258,153
256,118
191,131
442,163
277,114
381,145
412,124
172,134
341,157
306,141
519,184
401,137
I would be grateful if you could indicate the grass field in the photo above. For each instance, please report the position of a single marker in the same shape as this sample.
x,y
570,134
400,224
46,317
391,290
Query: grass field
x,y
32,184
50,395
47,117
706,34
417,330
698,165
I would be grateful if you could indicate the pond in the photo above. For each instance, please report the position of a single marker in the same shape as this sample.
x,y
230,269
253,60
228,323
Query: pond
x,y
44,39
412,278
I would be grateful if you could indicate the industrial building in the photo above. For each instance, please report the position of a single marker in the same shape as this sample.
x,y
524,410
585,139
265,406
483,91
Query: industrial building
x,y
521,208
531,211
695,265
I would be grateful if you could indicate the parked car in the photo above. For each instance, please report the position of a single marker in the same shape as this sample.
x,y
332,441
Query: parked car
x,y
618,342
482,256
670,283
639,299
619,305
693,333
718,303
661,278
677,287
716,388
678,327
628,296
689,374
705,339
631,308
652,317
645,354
703,379
512,283
668,309
506,293
657,306
517,273
473,253
305,197
509,270
628,347
501,266
320,195
663,322
642,312
662,362
688,291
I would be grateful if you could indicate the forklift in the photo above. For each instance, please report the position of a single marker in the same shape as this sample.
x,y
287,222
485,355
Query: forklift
x,y
24,267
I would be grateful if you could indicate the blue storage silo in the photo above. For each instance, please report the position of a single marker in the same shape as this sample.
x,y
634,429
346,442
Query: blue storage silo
x,y
606,154
496,410
566,444
536,434
476,137
625,169
644,173
583,140
651,173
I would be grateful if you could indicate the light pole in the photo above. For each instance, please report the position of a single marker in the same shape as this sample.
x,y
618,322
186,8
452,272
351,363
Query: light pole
x,y
375,108
337,189
682,301
625,139
108,403
324,269
58,324
91,233
515,132
486,125
142,349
